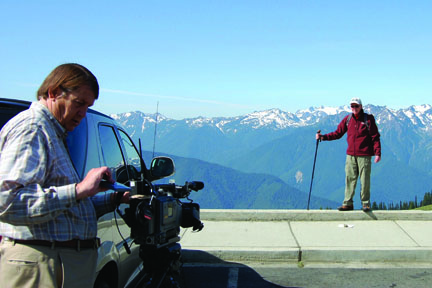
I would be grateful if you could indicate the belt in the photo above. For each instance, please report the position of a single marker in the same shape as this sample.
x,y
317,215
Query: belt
x,y
74,243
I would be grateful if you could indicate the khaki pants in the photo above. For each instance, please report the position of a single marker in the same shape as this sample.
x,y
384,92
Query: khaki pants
x,y
356,166
34,266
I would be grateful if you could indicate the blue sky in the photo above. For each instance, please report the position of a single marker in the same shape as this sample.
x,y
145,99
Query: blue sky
x,y
223,58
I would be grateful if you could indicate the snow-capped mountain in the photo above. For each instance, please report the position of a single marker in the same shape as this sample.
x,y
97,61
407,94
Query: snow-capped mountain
x,y
282,144
220,139
275,119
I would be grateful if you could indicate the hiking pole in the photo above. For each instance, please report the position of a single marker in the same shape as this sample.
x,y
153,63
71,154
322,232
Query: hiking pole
x,y
313,169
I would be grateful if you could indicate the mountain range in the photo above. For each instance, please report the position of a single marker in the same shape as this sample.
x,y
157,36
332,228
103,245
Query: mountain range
x,y
280,146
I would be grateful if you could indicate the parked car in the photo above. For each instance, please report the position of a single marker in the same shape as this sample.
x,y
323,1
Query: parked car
x,y
99,141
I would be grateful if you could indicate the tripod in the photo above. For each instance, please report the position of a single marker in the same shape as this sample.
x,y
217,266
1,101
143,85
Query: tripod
x,y
162,265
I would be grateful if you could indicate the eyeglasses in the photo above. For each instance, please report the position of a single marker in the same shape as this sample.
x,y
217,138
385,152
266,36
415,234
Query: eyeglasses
x,y
355,106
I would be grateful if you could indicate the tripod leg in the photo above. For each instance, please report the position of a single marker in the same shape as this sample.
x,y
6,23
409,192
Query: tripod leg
x,y
161,265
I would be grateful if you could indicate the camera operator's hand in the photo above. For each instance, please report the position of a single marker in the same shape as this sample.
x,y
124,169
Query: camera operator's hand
x,y
125,198
90,185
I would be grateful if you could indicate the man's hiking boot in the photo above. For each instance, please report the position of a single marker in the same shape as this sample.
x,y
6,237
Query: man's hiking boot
x,y
346,208
366,208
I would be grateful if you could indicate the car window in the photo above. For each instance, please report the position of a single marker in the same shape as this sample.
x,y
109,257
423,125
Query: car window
x,y
112,153
132,156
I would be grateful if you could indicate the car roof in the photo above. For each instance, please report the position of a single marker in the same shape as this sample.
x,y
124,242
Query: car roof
x,y
26,104
15,102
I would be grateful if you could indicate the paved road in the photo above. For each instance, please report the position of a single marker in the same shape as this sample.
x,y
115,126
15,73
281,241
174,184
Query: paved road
x,y
274,276
220,255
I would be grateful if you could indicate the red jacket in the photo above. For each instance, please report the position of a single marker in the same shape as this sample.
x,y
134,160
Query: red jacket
x,y
361,140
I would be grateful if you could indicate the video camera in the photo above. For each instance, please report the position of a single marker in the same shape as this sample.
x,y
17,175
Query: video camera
x,y
156,213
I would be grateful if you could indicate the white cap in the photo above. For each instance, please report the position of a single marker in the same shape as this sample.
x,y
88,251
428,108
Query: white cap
x,y
356,101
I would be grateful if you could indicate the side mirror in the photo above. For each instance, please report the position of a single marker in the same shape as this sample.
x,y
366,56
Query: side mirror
x,y
161,167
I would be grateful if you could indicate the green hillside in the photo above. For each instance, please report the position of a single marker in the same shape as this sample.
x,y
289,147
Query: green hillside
x,y
291,156
425,208
226,188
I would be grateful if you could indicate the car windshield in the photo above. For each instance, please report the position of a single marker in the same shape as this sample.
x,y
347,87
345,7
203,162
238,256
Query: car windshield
x,y
77,146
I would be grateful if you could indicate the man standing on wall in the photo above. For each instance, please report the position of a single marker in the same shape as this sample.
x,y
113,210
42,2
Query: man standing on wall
x,y
363,143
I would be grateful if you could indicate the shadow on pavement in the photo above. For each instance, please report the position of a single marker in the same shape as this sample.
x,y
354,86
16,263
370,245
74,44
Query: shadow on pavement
x,y
371,215
202,269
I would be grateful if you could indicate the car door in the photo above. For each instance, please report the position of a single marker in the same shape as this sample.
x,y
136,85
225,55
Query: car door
x,y
120,155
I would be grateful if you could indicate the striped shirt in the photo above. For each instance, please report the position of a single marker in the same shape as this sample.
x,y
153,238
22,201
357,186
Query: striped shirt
x,y
37,182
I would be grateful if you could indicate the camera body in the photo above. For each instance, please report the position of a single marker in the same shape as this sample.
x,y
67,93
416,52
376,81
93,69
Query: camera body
x,y
154,220
156,213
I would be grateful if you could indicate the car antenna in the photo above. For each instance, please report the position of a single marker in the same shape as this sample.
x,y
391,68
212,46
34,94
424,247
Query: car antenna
x,y
156,122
